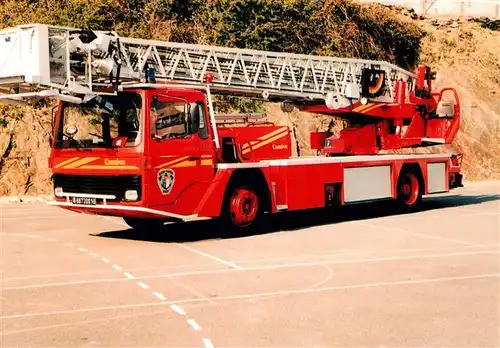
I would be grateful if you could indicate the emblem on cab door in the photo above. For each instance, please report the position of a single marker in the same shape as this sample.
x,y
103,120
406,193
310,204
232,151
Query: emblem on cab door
x,y
166,179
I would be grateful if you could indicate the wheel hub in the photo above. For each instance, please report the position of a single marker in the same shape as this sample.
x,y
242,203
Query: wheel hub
x,y
409,189
244,206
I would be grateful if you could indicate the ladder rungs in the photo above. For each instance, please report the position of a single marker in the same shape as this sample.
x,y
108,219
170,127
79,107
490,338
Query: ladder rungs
x,y
275,75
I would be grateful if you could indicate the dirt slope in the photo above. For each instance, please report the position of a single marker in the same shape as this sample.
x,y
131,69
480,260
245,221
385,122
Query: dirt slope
x,y
466,56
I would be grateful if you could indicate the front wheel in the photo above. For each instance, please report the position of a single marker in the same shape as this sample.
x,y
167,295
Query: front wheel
x,y
242,209
409,191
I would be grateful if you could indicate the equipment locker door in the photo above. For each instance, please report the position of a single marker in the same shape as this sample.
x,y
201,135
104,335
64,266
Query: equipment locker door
x,y
180,152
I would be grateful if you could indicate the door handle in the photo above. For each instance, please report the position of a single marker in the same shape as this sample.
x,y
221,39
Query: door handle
x,y
194,158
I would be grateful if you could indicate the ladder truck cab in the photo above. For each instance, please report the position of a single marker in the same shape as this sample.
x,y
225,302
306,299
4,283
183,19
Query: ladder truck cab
x,y
135,134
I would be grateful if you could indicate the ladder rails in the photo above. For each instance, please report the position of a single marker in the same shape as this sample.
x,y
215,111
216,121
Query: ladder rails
x,y
40,57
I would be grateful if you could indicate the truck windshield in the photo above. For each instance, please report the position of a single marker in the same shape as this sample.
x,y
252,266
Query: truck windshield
x,y
96,123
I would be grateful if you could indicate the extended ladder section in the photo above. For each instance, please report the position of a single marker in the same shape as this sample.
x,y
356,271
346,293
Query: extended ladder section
x,y
41,60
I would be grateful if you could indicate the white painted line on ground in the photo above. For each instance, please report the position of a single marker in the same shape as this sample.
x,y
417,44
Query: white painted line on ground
x,y
143,285
33,236
256,295
118,268
194,324
356,286
159,296
105,259
362,252
263,268
53,240
128,275
45,285
81,322
191,290
208,343
177,309
423,235
215,258
93,254
374,260
68,245
100,271
83,250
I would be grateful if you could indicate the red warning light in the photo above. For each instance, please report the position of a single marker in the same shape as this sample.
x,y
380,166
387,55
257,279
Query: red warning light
x,y
209,77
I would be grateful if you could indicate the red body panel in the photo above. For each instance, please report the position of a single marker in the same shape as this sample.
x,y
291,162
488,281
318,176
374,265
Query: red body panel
x,y
258,142
296,193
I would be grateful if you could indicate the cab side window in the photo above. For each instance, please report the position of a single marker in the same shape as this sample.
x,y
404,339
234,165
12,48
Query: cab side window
x,y
177,119
169,120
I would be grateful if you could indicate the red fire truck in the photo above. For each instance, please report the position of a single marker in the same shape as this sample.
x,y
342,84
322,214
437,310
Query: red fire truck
x,y
135,134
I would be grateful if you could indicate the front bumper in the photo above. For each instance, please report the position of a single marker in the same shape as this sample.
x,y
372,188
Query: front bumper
x,y
123,211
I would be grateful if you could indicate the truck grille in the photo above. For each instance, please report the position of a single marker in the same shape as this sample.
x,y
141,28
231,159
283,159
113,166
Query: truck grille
x,y
101,185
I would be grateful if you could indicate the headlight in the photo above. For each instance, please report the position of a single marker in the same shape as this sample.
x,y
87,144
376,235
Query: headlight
x,y
58,191
131,195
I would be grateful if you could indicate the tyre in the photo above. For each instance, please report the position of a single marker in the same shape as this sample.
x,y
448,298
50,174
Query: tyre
x,y
242,210
409,191
145,225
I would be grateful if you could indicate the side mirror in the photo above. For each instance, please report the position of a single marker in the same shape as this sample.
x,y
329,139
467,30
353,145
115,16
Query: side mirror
x,y
189,117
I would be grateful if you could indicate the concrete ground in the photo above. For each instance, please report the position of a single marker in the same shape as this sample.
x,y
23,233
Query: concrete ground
x,y
363,277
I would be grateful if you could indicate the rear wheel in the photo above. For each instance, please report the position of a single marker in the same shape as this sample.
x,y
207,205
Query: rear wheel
x,y
409,191
145,225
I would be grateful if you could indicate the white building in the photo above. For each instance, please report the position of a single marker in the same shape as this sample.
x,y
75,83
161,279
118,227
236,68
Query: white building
x,y
467,8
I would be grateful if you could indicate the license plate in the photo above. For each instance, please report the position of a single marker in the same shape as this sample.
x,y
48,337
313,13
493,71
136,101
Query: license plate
x,y
84,200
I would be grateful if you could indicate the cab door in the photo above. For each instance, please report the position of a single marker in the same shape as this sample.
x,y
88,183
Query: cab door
x,y
181,152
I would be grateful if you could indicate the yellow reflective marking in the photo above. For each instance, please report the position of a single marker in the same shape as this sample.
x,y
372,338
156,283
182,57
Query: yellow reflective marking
x,y
264,137
109,167
185,164
362,107
264,143
81,162
66,162
172,162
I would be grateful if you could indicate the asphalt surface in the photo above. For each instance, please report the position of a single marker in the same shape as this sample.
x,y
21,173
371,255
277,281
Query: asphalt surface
x,y
360,277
